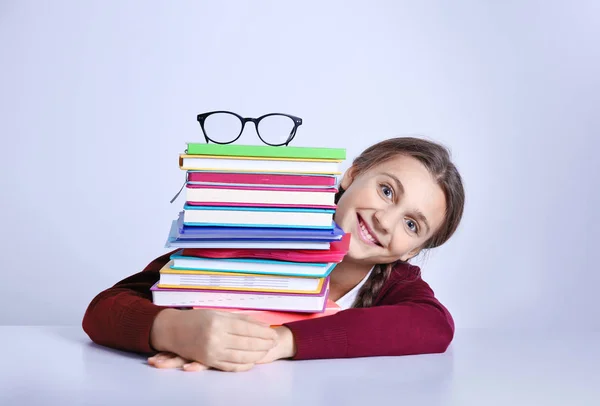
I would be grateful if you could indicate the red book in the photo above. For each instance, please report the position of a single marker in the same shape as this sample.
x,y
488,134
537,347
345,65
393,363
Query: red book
x,y
336,252
261,178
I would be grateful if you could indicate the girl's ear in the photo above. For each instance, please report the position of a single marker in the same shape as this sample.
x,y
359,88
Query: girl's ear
x,y
347,178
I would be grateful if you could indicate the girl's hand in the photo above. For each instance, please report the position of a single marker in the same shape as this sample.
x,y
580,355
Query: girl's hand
x,y
220,340
285,347
168,360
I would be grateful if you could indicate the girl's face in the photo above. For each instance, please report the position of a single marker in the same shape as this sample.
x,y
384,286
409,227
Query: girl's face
x,y
391,210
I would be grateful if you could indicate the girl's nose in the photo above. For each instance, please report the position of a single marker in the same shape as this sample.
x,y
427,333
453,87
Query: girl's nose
x,y
385,220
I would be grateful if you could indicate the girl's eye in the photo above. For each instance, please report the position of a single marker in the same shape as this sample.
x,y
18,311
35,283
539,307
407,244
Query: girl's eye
x,y
387,191
412,225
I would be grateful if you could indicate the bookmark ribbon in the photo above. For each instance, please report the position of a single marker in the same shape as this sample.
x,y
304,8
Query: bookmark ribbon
x,y
182,186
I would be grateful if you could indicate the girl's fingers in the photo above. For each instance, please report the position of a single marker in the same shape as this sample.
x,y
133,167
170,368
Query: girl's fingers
x,y
160,357
235,342
269,357
194,367
242,357
166,360
231,367
246,328
174,361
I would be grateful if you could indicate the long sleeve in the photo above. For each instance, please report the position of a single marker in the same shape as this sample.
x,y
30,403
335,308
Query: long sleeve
x,y
121,317
407,319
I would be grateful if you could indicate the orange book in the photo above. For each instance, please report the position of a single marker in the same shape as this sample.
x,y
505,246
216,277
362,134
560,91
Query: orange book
x,y
276,318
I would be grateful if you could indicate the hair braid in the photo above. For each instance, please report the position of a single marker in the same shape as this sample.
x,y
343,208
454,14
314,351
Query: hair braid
x,y
369,291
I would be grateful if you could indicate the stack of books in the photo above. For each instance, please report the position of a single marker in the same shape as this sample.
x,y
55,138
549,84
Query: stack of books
x,y
256,234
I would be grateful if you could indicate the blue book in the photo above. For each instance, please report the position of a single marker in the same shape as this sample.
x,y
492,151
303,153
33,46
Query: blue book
x,y
251,240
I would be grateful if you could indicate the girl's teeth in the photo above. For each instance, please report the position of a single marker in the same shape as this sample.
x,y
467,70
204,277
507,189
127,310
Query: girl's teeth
x,y
369,236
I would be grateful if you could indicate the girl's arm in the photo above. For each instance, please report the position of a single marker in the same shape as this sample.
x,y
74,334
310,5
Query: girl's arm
x,y
407,319
121,317
125,318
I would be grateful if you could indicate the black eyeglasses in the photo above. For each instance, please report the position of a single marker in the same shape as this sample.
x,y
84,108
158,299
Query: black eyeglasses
x,y
225,127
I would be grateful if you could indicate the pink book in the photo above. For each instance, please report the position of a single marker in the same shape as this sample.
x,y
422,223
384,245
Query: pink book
x,y
261,178
276,318
270,189
297,206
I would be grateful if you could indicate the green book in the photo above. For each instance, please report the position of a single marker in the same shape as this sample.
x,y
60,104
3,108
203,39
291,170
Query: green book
x,y
265,151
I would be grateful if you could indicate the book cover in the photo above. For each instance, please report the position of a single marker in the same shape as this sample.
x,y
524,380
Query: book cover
x,y
257,196
259,233
268,205
191,265
243,216
236,281
291,302
336,252
174,240
240,178
209,188
265,151
258,164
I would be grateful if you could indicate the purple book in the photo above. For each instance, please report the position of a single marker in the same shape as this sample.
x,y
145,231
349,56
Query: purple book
x,y
289,302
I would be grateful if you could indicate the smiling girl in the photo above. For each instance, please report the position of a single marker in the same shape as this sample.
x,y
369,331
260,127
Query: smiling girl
x,y
399,197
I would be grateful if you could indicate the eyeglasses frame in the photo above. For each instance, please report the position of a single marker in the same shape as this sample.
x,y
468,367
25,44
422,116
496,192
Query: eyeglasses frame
x,y
203,116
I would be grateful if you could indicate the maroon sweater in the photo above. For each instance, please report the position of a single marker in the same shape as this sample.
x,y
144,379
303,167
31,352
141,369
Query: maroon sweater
x,y
405,319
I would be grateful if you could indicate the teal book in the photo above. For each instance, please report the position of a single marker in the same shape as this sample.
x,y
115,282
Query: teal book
x,y
266,151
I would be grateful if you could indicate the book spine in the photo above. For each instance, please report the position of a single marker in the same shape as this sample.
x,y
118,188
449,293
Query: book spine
x,y
266,189
264,151
265,205
251,178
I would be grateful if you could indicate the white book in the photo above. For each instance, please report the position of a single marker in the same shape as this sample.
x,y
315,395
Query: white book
x,y
202,215
246,164
290,302
262,185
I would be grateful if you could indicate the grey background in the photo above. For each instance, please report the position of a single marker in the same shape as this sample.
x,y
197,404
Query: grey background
x,y
97,100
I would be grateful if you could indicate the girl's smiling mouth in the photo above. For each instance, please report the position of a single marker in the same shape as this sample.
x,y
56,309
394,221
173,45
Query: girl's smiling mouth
x,y
365,232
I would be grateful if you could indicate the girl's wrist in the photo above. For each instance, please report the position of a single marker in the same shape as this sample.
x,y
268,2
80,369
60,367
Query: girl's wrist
x,y
162,331
288,345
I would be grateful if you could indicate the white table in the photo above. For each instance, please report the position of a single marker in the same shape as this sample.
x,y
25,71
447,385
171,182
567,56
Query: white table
x,y
60,366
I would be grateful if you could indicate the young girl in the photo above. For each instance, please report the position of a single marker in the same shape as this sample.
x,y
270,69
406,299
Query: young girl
x,y
399,196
